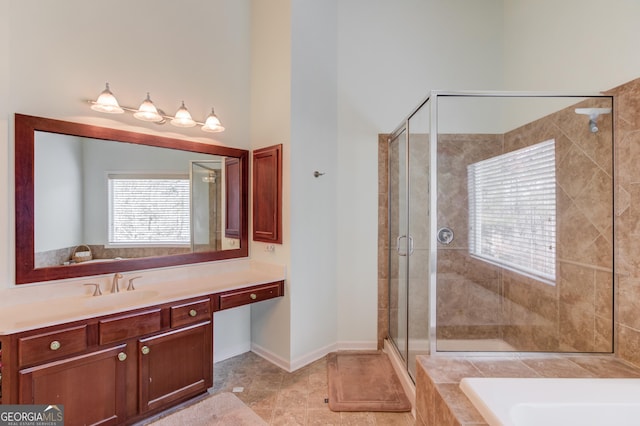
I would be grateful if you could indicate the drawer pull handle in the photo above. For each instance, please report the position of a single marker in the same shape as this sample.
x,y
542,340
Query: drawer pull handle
x,y
145,350
122,356
55,345
253,296
193,313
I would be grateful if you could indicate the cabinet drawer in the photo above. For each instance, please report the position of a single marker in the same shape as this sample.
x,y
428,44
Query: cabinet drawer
x,y
47,346
245,296
131,325
190,313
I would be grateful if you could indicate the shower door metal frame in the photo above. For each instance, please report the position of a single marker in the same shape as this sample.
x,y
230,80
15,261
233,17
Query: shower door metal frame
x,y
433,193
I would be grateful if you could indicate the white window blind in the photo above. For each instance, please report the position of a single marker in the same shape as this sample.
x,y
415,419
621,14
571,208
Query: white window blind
x,y
148,210
512,210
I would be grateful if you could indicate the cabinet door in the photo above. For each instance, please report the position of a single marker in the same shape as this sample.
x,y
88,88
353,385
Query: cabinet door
x,y
175,365
90,387
267,194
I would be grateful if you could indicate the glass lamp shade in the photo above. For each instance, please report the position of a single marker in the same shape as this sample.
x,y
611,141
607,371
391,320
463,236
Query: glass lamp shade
x,y
106,102
212,124
183,118
148,111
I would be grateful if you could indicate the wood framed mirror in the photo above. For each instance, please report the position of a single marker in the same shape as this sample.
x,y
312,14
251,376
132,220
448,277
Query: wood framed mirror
x,y
71,178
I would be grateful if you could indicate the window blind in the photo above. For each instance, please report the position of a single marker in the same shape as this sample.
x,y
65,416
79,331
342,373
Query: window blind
x,y
148,209
512,210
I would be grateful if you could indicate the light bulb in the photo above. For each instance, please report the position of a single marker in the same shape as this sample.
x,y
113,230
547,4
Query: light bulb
x,y
212,124
106,102
148,111
183,118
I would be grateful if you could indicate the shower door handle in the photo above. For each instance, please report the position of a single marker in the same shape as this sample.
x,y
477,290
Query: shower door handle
x,y
410,245
398,247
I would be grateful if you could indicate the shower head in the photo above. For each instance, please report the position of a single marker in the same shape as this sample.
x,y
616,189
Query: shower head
x,y
593,114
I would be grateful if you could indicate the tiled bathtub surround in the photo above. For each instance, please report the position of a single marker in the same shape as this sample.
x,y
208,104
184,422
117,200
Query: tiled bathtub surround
x,y
441,402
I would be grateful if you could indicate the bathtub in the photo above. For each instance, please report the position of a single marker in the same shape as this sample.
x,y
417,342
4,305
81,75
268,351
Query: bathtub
x,y
551,402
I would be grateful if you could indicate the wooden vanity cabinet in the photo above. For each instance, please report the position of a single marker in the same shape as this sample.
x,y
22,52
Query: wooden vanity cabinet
x,y
120,368
175,365
234,298
89,386
115,369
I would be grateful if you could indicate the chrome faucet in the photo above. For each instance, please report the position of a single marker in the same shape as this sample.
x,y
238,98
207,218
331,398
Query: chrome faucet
x,y
114,285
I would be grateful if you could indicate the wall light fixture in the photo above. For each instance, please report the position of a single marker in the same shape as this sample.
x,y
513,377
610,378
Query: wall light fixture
x,y
147,111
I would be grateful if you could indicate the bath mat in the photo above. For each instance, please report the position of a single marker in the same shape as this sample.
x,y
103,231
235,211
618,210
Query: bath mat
x,y
223,409
364,381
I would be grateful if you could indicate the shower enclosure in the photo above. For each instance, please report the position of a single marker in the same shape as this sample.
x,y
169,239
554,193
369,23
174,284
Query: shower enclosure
x,y
501,225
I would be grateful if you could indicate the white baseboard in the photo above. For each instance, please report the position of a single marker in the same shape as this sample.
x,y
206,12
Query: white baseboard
x,y
230,352
270,356
310,357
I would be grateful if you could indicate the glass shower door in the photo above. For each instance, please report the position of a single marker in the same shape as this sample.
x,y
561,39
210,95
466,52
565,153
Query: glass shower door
x,y
398,243
409,238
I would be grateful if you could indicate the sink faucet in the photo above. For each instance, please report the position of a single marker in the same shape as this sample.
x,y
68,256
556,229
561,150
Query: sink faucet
x,y
114,285
96,291
131,287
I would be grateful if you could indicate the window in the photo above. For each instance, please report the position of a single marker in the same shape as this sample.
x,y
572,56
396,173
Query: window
x,y
147,209
512,210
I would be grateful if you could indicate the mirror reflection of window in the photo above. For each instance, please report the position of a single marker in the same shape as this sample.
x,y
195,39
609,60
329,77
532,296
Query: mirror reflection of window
x,y
148,210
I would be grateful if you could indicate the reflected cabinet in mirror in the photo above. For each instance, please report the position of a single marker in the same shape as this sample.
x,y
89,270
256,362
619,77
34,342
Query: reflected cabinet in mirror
x,y
92,200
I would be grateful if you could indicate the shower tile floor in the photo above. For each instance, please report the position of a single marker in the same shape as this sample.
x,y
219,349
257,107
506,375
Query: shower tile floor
x,y
297,398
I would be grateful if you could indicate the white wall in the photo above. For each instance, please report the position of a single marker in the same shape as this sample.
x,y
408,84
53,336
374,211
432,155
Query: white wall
x,y
314,147
55,55
270,125
571,44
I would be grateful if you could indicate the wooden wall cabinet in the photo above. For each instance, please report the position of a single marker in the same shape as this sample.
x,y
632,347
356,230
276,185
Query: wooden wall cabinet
x,y
267,194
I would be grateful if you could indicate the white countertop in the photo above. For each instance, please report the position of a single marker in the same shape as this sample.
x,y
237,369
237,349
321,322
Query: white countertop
x,y
28,307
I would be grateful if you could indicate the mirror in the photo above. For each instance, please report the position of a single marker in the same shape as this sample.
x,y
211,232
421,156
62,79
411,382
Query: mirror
x,y
92,200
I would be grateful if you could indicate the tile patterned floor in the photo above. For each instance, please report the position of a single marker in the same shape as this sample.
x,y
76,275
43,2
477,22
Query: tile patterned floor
x,y
297,398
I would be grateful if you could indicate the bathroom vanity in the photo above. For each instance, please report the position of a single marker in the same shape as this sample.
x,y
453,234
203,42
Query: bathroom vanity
x,y
118,358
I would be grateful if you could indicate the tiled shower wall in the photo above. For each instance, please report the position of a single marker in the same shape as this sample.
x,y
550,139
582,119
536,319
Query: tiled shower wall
x,y
586,285
627,220
575,314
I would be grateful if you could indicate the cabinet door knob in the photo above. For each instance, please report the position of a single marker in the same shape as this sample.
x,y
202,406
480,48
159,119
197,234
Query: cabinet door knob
x,y
193,313
55,345
145,350
253,296
122,356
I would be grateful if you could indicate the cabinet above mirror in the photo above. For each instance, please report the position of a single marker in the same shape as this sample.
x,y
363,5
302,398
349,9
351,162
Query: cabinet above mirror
x,y
92,200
